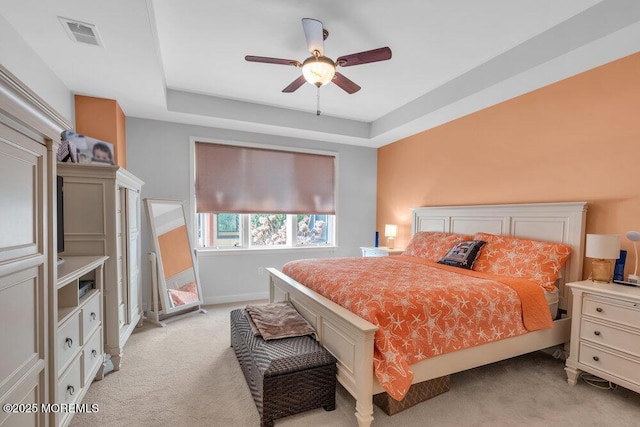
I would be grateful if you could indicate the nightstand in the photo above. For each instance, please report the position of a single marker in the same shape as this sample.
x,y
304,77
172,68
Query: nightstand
x,y
605,333
379,251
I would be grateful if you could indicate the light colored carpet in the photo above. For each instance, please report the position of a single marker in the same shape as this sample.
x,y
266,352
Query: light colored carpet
x,y
187,375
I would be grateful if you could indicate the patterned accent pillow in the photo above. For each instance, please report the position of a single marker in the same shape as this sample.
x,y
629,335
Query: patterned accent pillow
x,y
433,245
530,259
463,254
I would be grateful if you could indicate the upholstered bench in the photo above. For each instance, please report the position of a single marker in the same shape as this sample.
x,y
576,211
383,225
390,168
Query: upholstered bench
x,y
286,376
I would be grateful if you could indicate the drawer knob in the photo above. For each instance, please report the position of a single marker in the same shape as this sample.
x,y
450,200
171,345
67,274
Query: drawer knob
x,y
597,333
94,353
68,342
596,358
70,390
599,309
93,316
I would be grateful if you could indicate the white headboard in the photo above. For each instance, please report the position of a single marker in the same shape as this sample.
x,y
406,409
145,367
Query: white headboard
x,y
551,222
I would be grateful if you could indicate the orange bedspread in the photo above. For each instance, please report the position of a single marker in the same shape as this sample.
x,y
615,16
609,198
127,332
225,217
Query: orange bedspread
x,y
422,308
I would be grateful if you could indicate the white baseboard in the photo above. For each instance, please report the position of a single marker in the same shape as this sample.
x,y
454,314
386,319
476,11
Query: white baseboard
x,y
236,298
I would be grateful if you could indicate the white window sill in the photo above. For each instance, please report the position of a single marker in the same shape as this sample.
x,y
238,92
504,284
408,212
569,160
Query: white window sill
x,y
204,252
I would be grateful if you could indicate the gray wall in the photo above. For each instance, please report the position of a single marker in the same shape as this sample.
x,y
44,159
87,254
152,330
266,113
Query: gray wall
x,y
18,57
158,153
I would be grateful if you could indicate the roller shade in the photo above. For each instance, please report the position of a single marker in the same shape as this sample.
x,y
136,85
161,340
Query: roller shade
x,y
237,179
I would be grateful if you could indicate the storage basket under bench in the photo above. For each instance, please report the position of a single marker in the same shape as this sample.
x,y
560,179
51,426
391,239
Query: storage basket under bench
x,y
286,376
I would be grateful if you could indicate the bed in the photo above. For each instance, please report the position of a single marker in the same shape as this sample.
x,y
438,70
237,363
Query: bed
x,y
351,338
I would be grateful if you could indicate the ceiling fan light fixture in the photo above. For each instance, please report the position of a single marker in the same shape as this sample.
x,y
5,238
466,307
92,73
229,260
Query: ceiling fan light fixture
x,y
318,70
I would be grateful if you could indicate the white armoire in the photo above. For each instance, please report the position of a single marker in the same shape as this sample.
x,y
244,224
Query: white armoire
x,y
29,131
102,217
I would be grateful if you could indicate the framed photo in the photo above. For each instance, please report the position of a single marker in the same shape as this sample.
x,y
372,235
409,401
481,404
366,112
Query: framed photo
x,y
88,150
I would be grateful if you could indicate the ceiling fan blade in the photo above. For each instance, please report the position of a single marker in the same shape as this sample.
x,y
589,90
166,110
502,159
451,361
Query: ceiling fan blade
x,y
375,55
268,60
345,84
294,85
314,34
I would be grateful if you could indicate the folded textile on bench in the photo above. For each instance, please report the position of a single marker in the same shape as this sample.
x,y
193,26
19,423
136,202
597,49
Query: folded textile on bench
x,y
278,320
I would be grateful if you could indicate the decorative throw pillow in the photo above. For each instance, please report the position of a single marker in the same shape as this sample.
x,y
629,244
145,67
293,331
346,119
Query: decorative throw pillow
x,y
463,254
530,259
433,245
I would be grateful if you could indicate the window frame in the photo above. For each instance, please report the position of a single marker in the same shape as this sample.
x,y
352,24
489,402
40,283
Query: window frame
x,y
244,234
244,226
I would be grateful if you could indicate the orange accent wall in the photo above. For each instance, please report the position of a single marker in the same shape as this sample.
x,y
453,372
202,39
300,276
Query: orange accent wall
x,y
575,140
103,119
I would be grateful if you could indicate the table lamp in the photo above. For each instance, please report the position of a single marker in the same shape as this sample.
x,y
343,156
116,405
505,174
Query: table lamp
x,y
390,232
634,236
603,248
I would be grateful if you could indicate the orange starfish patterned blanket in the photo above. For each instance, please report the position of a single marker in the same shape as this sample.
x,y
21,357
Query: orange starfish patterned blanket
x,y
422,308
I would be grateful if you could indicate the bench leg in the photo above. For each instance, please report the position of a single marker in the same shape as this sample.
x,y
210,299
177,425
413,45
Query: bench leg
x,y
329,408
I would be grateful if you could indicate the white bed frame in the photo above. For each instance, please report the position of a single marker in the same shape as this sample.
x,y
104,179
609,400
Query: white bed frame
x,y
350,338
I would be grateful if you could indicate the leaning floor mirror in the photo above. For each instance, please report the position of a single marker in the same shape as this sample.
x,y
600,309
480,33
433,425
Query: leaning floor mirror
x,y
175,286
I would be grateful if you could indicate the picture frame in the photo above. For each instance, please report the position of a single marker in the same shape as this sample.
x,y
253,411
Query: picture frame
x,y
84,149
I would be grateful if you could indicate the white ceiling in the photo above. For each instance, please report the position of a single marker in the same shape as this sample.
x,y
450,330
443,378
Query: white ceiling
x,y
183,61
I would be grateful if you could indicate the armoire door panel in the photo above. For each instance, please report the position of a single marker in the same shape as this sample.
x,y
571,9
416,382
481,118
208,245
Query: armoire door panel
x,y
22,175
19,317
82,208
29,391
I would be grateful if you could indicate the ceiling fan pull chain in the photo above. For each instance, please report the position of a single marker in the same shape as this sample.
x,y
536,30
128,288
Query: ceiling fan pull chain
x,y
318,101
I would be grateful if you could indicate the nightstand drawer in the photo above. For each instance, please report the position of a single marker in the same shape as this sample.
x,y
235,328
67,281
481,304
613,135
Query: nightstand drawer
x,y
373,251
619,339
623,312
625,368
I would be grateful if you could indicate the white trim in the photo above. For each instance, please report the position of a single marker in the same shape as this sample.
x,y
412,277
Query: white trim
x,y
195,139
206,252
236,298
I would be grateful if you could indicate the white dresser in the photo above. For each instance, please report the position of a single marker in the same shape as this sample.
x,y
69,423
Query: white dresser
x,y
605,333
102,217
77,352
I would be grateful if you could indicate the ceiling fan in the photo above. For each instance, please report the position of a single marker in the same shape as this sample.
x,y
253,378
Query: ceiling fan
x,y
318,69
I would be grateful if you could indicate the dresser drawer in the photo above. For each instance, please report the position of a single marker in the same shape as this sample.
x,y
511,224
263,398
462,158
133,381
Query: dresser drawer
x,y
92,356
90,316
67,341
625,368
619,339
612,310
69,385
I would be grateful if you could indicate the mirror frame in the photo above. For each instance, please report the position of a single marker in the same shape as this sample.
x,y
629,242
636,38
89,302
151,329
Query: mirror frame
x,y
167,306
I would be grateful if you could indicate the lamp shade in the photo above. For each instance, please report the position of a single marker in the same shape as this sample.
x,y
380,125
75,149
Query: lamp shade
x,y
390,230
603,246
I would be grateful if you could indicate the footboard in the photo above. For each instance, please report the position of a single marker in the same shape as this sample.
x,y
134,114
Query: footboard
x,y
347,336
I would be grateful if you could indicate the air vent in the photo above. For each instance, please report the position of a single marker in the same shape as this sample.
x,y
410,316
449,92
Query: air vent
x,y
81,32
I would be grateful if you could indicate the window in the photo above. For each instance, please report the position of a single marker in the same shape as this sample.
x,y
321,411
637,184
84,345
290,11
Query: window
x,y
264,230
263,197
